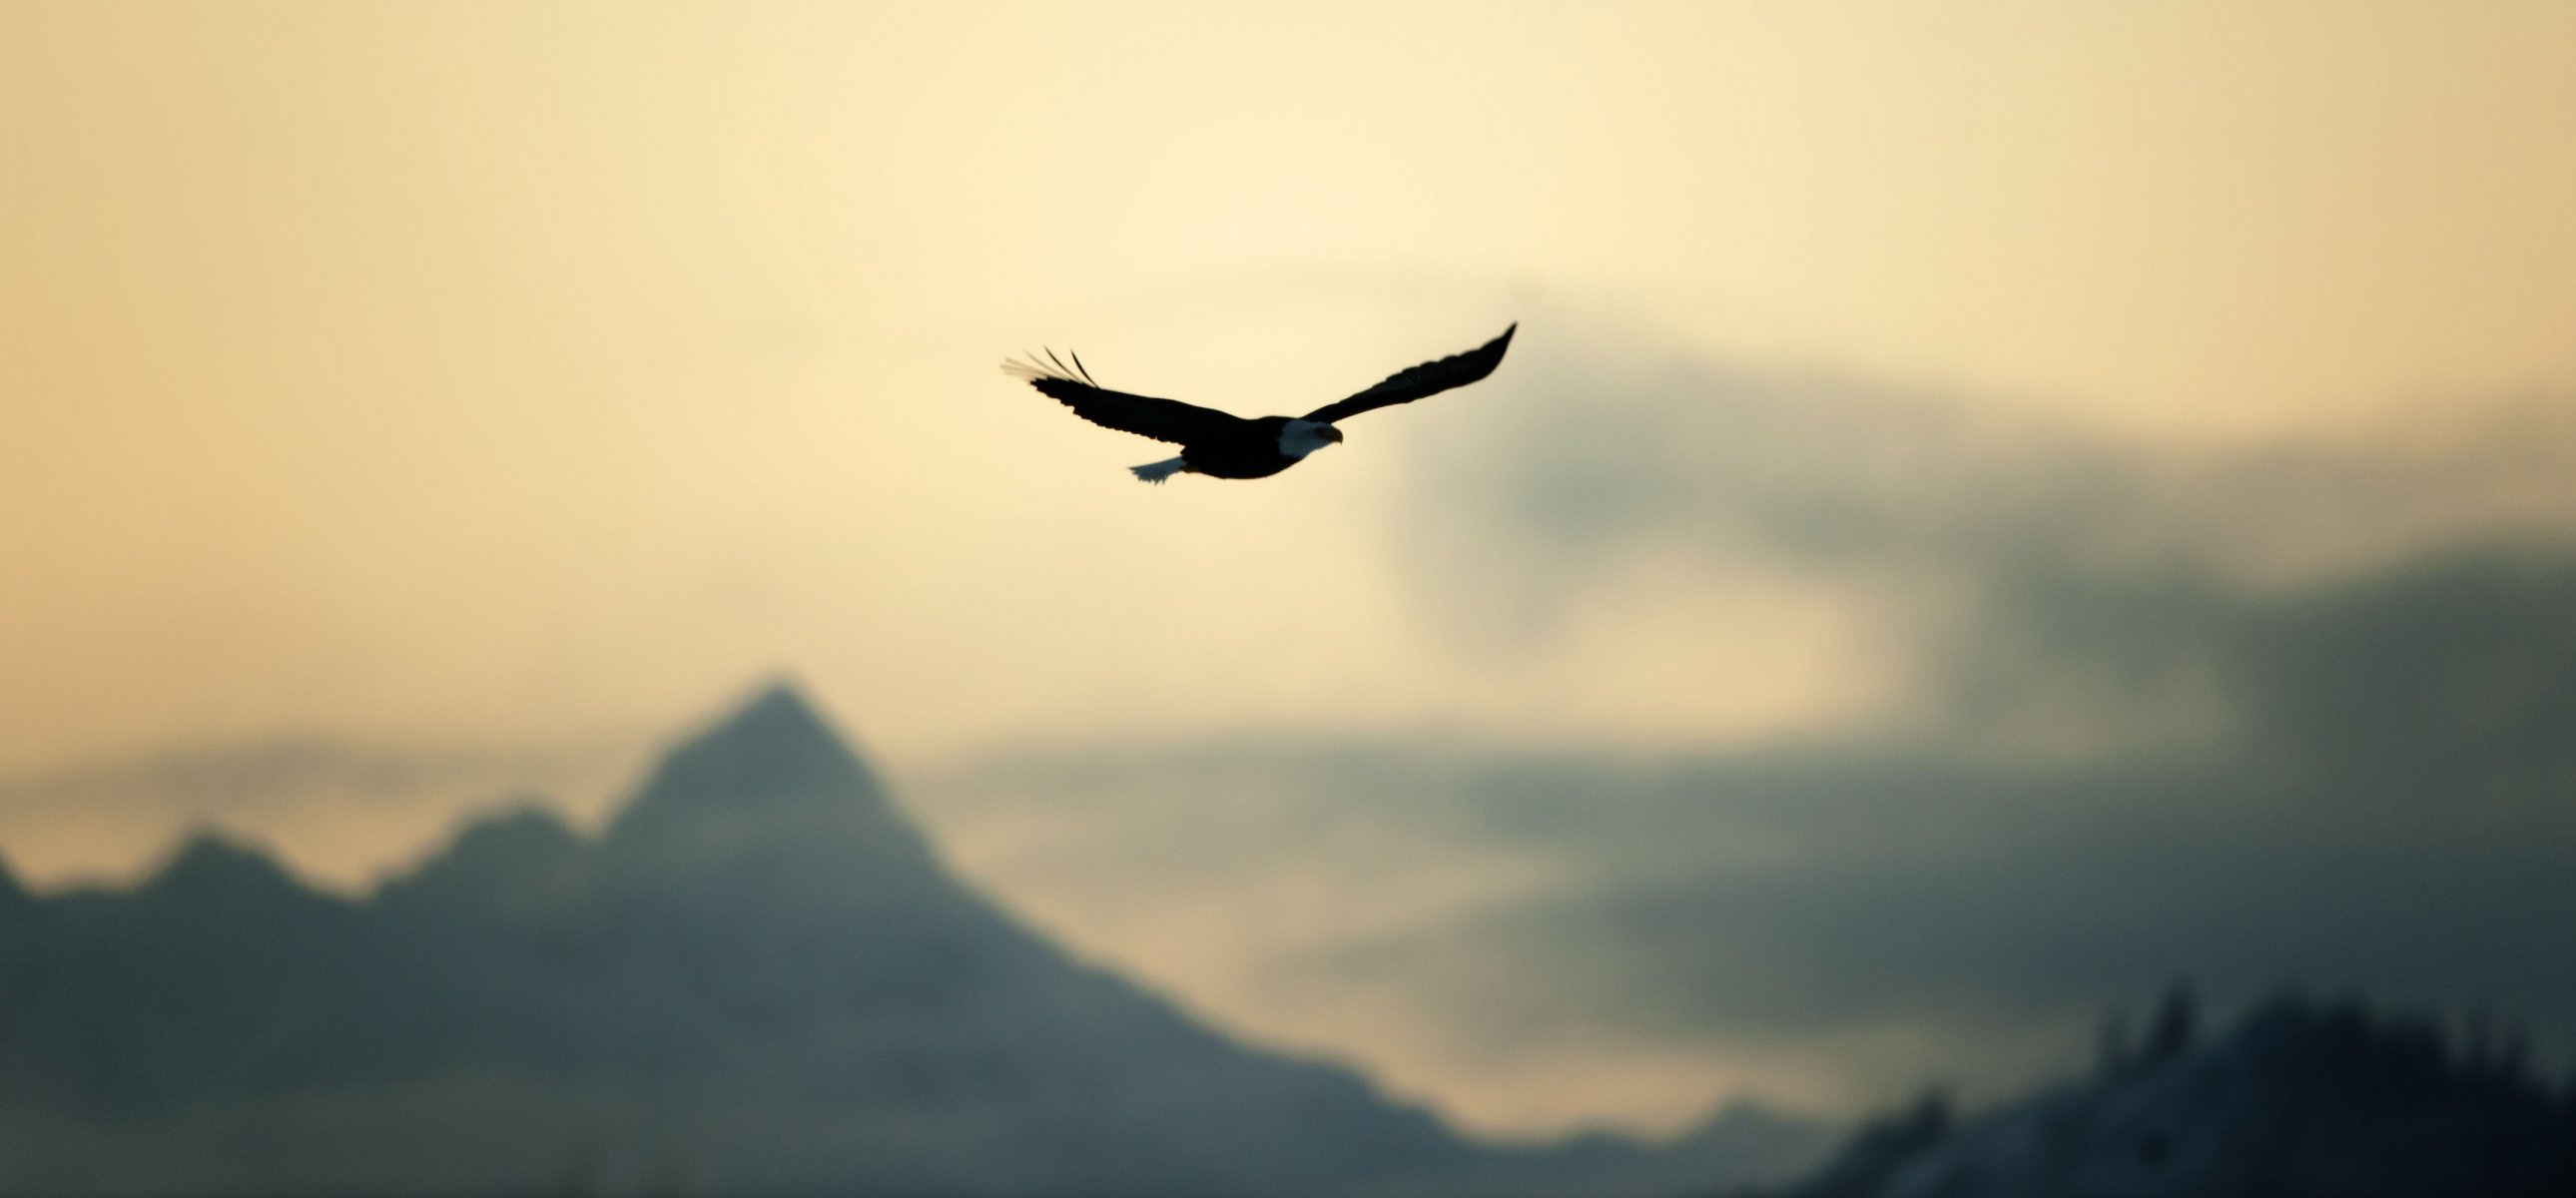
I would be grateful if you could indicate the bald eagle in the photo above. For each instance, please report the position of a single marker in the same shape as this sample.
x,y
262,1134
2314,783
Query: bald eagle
x,y
1223,445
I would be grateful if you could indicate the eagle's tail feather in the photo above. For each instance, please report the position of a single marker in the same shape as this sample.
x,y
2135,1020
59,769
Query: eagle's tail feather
x,y
1156,472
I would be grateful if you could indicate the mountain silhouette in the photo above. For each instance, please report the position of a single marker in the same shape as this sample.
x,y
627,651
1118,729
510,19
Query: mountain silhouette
x,y
758,979
2299,1100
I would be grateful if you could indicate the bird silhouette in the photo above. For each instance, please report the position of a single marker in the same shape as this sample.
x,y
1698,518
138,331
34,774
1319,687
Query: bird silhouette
x,y
1224,445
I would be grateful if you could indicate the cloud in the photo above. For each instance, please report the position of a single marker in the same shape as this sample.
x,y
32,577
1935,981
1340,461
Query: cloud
x,y
1819,926
2265,712
2252,715
1596,445
2024,574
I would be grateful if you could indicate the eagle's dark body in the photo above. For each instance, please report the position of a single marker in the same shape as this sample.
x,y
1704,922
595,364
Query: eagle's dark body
x,y
1255,454
1223,445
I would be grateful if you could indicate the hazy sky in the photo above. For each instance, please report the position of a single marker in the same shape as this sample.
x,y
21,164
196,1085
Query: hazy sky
x,y
480,368
522,381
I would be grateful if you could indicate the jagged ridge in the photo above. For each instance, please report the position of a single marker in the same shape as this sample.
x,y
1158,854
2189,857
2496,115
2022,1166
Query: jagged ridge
x,y
758,979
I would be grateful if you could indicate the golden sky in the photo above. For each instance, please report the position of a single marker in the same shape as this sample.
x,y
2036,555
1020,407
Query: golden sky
x,y
477,366
465,368
464,373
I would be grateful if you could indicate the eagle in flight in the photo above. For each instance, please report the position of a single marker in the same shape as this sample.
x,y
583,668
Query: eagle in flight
x,y
1223,445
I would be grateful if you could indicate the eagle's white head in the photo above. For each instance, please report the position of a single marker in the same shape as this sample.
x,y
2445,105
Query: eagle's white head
x,y
1297,438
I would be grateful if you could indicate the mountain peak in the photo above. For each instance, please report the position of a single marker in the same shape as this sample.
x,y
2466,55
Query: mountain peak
x,y
505,857
525,830
779,698
777,716
771,755
212,868
209,854
761,942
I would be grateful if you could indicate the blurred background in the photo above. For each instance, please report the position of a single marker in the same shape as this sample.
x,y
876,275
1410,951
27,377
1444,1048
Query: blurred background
x,y
1993,510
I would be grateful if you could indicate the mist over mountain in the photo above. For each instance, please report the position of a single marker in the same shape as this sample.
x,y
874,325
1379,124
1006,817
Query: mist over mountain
x,y
758,979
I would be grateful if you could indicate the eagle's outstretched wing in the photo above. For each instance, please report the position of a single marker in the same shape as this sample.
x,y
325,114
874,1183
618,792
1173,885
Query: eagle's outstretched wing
x,y
1430,378
1162,419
